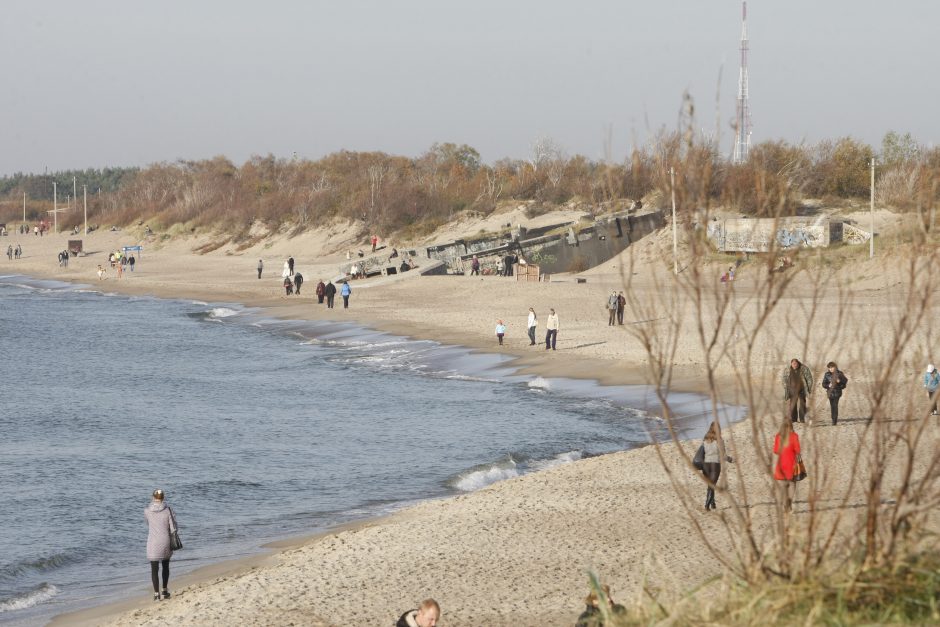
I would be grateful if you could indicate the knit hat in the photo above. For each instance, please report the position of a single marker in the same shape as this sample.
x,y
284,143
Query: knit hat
x,y
930,368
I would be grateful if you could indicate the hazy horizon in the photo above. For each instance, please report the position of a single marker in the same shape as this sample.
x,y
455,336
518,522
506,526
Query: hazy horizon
x,y
102,83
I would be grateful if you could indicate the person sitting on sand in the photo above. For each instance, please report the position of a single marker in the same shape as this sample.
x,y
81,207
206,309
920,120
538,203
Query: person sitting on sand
x,y
427,615
591,616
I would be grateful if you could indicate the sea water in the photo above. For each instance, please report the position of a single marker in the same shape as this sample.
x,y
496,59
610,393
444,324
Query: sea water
x,y
257,429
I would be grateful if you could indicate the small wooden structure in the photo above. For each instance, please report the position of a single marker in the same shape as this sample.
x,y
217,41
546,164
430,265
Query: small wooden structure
x,y
75,247
526,271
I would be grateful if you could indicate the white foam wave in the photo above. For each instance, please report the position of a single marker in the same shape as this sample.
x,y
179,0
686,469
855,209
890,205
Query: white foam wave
x,y
558,460
221,312
540,383
476,479
28,599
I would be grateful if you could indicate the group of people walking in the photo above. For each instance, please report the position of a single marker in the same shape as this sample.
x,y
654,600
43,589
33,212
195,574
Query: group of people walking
x,y
14,253
294,280
616,303
532,323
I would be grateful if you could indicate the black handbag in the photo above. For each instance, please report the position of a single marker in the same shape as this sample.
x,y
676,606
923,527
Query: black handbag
x,y
175,543
699,460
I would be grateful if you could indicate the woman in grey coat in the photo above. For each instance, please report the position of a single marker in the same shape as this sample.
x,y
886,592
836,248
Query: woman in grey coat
x,y
714,453
162,523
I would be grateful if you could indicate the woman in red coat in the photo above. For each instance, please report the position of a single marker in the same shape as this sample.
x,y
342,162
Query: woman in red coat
x,y
786,448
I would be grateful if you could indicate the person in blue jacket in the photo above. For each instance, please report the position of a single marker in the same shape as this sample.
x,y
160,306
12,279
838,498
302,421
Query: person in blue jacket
x,y
932,384
345,291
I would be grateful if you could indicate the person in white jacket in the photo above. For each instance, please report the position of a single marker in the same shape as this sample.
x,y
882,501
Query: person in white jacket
x,y
551,330
531,325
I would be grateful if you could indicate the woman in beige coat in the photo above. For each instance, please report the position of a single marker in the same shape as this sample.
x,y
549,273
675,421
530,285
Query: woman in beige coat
x,y
162,523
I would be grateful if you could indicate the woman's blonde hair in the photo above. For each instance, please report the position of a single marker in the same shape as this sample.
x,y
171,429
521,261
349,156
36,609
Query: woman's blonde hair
x,y
713,431
786,428
158,494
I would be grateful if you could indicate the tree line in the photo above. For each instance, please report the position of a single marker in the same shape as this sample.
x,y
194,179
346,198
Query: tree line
x,y
390,193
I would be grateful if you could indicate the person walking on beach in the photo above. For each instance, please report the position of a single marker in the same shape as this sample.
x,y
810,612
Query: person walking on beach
x,y
130,261
321,291
834,382
345,291
797,384
290,265
621,306
260,267
612,304
427,615
500,331
100,272
714,452
531,324
298,281
330,291
18,252
10,252
551,330
932,384
286,272
375,241
787,449
161,522
288,286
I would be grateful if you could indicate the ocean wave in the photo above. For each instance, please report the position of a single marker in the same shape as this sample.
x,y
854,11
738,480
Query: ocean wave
x,y
482,476
16,570
558,460
40,594
221,312
540,383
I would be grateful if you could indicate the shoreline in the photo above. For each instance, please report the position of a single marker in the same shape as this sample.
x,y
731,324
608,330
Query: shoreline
x,y
270,553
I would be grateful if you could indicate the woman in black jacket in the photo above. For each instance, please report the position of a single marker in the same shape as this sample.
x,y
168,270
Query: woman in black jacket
x,y
834,382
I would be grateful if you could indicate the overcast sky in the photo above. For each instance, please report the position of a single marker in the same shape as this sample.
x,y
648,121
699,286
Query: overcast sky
x,y
94,83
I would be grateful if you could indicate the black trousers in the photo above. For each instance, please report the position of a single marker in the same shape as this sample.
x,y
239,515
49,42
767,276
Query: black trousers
x,y
798,408
834,408
620,316
329,301
550,336
259,273
711,472
320,299
154,568
345,302
531,335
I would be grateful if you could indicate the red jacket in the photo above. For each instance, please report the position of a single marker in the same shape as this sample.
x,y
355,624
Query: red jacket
x,y
786,458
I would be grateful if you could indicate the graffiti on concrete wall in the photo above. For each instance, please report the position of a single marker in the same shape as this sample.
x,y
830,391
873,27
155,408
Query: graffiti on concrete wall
x,y
760,234
854,235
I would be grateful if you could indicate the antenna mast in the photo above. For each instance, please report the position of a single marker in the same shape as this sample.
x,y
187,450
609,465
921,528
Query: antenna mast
x,y
742,120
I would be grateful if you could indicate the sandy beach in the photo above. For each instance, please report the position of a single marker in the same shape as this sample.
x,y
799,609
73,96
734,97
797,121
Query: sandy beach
x,y
518,552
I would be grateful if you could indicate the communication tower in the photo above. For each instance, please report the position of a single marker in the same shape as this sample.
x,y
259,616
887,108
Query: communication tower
x,y
742,119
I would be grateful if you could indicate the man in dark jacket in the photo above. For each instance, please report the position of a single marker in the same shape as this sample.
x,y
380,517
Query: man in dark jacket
x,y
797,384
427,615
290,265
298,281
330,291
834,382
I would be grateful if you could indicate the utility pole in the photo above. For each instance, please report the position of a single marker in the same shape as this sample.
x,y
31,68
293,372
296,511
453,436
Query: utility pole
x,y
871,240
675,237
55,206
74,190
85,193
24,207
